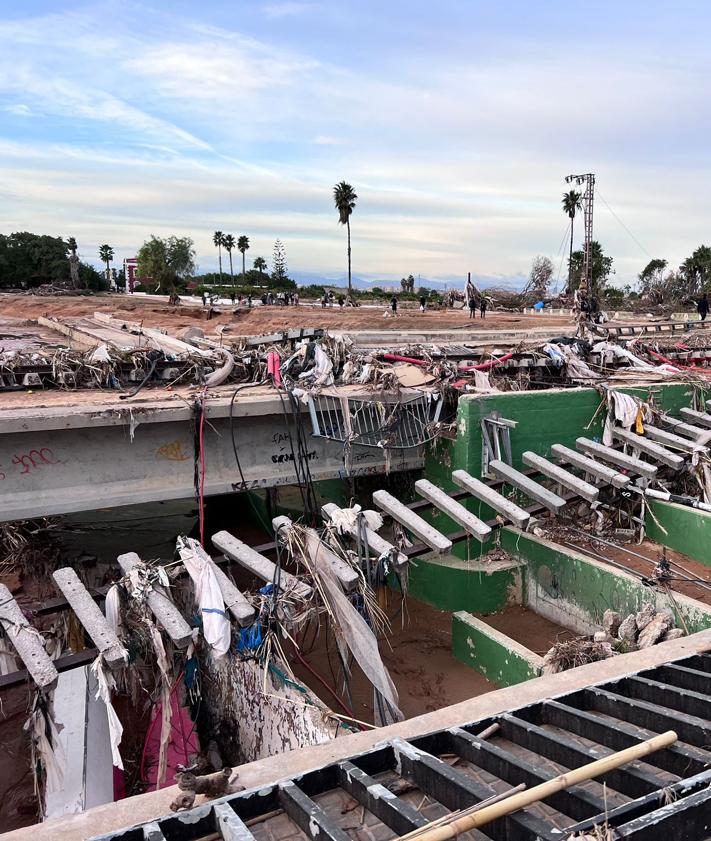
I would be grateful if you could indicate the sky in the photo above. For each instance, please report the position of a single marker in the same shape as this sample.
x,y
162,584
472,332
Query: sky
x,y
456,122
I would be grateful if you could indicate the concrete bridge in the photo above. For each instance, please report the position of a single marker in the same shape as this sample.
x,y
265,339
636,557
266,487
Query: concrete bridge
x,y
63,453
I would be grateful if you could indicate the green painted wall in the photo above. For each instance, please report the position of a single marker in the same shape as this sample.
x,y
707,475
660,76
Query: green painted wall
x,y
493,654
688,530
450,583
575,591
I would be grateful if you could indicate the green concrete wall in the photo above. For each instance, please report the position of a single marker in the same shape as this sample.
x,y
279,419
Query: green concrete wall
x,y
688,530
450,583
574,591
499,658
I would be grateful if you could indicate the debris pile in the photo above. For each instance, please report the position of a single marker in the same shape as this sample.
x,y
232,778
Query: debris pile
x,y
618,636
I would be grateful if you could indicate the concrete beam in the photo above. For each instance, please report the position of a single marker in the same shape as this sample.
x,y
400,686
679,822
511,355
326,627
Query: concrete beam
x,y
89,614
532,489
701,418
687,430
344,572
676,442
378,544
562,477
257,564
161,340
650,448
634,465
600,471
421,529
160,604
477,528
234,599
27,642
492,498
102,454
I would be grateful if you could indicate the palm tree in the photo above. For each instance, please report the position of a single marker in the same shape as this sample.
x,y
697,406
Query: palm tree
x,y
243,246
260,264
344,197
106,253
218,239
572,202
229,243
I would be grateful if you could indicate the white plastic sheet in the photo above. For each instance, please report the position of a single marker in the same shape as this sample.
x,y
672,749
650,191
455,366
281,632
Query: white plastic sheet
x,y
215,624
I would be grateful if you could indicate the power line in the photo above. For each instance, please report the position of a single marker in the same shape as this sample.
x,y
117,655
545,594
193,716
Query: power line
x,y
624,226
562,254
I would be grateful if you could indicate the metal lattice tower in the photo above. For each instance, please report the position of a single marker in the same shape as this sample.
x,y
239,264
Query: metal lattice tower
x,y
586,281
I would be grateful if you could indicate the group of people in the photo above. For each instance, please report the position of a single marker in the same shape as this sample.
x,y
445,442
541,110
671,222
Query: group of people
x,y
282,299
482,306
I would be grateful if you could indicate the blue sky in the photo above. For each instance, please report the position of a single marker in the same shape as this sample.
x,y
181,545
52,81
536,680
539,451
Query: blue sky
x,y
456,122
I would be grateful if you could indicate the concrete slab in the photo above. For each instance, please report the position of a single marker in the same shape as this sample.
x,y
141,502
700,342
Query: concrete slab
x,y
27,642
491,497
600,471
473,525
634,465
650,448
562,477
423,530
531,489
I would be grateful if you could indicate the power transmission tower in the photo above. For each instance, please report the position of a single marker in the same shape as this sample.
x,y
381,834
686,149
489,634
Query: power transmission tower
x,y
586,281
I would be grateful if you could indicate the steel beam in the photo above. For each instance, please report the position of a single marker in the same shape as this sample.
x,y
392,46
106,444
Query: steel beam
x,y
634,465
531,489
421,529
469,522
492,498
593,468
307,815
684,700
562,477
395,813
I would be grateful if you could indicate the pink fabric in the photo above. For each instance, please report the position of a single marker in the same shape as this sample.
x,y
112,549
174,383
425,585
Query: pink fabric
x,y
182,748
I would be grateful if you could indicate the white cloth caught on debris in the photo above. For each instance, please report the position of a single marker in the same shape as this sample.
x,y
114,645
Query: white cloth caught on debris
x,y
112,608
47,748
612,351
215,624
105,684
345,520
621,411
99,354
576,368
322,370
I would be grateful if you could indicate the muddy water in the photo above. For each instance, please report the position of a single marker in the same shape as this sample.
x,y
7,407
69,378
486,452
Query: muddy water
x,y
418,654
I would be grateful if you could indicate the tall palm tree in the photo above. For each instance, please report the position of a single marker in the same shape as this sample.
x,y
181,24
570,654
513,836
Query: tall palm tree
x,y
243,246
229,242
344,197
260,264
106,253
218,239
572,202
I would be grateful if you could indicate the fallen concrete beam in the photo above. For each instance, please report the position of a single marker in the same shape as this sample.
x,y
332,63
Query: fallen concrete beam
x,y
343,571
421,529
27,642
509,510
634,465
257,564
161,340
590,466
650,448
160,604
89,614
670,439
532,489
79,338
469,522
562,477
701,418
377,543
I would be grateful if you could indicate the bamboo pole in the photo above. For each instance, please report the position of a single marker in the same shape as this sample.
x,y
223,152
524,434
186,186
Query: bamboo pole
x,y
540,792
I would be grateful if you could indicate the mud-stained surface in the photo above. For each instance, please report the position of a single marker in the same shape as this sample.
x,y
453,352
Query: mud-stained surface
x,y
528,628
257,320
418,656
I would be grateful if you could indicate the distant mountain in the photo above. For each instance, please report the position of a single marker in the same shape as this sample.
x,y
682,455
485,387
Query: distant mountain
x,y
511,283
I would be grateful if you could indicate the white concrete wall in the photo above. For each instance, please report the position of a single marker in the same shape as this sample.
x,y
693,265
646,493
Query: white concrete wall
x,y
271,718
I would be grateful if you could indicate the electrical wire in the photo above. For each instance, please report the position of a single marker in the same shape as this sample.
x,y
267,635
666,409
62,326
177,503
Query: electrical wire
x,y
639,244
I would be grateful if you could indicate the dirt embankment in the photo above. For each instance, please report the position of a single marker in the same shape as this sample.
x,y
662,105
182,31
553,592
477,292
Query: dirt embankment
x,y
259,320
